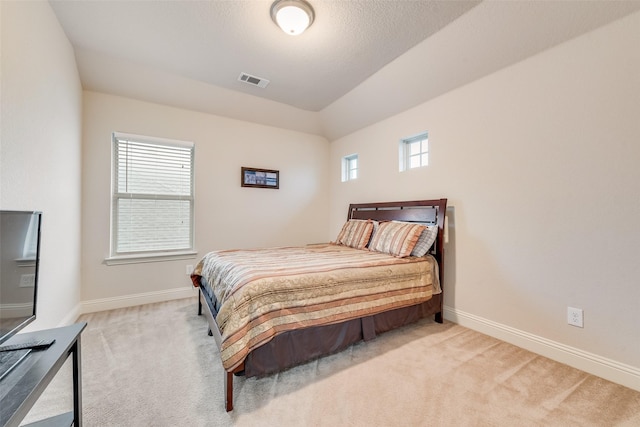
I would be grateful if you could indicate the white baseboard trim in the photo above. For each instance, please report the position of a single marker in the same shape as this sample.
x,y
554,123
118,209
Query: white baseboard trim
x,y
113,303
626,375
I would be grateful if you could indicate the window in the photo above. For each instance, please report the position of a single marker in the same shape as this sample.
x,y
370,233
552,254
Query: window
x,y
152,200
30,246
349,167
414,152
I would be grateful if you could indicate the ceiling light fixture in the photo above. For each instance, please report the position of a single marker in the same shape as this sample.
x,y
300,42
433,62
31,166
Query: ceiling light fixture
x,y
293,16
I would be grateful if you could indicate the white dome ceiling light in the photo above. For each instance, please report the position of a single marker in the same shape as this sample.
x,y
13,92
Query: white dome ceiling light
x,y
292,16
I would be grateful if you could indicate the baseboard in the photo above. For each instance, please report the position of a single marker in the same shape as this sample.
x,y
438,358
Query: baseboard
x,y
608,369
16,310
103,304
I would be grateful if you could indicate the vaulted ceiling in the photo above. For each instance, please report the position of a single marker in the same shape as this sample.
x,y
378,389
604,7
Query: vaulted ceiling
x,y
360,61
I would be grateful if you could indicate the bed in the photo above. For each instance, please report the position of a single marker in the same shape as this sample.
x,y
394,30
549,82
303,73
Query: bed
x,y
270,309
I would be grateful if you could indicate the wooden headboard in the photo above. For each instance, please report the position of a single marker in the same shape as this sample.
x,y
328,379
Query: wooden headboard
x,y
423,211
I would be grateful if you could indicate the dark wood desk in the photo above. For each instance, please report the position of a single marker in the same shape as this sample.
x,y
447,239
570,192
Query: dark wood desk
x,y
22,387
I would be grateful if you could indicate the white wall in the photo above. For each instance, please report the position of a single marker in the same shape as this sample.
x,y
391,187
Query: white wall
x,y
540,165
40,147
227,215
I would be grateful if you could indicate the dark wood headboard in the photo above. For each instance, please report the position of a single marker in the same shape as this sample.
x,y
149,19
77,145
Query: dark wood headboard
x,y
423,211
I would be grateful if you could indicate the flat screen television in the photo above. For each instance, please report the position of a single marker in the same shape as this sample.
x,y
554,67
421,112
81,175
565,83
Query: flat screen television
x,y
19,265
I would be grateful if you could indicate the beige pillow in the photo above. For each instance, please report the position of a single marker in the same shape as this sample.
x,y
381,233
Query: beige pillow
x,y
396,238
355,233
425,241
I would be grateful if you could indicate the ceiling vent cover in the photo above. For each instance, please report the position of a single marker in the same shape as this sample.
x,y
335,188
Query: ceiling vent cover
x,y
253,80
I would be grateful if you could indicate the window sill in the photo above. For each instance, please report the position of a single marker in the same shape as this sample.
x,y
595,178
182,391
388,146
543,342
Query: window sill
x,y
157,257
26,262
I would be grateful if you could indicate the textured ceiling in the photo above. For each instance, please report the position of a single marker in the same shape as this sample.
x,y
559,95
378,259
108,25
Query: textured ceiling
x,y
213,41
360,61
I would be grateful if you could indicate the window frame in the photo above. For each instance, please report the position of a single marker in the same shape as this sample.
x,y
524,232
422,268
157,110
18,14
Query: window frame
x,y
405,154
153,254
347,168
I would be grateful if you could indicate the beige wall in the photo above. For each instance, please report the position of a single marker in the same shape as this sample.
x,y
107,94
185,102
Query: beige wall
x,y
537,160
540,165
40,147
227,215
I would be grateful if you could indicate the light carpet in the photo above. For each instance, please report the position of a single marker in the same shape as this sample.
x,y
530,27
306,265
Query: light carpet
x,y
155,365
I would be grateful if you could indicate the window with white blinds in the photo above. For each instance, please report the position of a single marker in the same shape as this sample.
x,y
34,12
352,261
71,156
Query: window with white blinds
x,y
152,205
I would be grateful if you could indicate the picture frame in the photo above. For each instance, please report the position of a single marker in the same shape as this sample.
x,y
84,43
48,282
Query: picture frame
x,y
260,178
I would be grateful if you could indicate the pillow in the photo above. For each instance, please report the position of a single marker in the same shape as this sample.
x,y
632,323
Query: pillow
x,y
376,224
355,233
396,238
425,241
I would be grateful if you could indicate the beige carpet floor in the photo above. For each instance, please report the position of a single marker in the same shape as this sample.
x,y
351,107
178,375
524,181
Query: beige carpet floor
x,y
154,365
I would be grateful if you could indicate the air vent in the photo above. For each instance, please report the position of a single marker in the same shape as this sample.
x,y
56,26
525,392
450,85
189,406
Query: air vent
x,y
253,80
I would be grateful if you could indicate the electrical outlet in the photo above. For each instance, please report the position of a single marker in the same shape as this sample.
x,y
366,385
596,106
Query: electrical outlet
x,y
189,269
574,317
27,280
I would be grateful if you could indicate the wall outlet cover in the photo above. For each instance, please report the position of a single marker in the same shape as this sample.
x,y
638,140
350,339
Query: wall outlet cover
x,y
575,317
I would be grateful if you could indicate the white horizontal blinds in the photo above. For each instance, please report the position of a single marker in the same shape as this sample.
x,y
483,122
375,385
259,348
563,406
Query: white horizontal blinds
x,y
153,199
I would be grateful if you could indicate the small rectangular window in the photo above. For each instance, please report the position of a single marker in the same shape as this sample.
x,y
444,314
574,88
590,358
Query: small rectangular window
x,y
349,167
152,195
414,152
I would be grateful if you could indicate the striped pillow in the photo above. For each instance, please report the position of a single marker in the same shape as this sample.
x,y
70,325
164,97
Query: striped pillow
x,y
425,241
355,233
396,238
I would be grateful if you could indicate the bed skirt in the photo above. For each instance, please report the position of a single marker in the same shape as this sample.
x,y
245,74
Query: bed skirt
x,y
300,346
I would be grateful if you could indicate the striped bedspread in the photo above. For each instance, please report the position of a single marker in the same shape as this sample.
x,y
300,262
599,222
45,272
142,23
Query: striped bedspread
x,y
264,292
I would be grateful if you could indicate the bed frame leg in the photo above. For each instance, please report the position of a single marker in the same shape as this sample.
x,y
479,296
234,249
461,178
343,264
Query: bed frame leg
x,y
438,317
228,391
199,303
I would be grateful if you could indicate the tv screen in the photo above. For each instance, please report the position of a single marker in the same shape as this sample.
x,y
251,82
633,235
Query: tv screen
x,y
19,261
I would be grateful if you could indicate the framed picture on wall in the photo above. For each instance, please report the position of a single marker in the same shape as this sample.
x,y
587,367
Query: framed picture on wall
x,y
260,178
